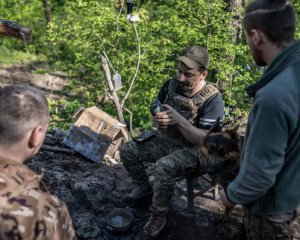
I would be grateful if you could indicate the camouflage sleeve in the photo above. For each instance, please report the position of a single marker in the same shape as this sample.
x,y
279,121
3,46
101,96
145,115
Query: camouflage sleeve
x,y
35,215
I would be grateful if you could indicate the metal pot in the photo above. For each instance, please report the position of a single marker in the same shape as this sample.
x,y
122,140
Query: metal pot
x,y
119,219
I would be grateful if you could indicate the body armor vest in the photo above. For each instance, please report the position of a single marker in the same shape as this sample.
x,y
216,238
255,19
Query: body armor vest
x,y
189,108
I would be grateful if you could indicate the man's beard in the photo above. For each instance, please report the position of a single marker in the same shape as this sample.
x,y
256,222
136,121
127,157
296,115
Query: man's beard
x,y
182,88
258,57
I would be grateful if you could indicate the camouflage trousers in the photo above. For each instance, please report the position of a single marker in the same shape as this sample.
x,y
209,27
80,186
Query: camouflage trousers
x,y
172,161
261,228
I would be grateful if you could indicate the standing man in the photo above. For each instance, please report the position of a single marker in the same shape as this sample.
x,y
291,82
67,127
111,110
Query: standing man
x,y
26,212
268,180
189,108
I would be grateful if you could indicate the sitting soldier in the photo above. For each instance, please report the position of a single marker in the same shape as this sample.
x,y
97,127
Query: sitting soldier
x,y
185,108
26,212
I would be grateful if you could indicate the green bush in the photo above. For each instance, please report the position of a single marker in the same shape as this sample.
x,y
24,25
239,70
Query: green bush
x,y
82,29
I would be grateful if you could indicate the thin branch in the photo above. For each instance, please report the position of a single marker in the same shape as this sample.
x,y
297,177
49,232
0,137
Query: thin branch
x,y
137,65
145,48
121,10
104,53
208,32
118,28
130,121
110,96
104,63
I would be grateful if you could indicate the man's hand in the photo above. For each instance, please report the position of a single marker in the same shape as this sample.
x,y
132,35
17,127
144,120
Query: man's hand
x,y
168,117
225,200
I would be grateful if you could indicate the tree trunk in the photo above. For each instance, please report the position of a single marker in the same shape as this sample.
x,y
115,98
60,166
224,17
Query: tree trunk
x,y
235,7
47,10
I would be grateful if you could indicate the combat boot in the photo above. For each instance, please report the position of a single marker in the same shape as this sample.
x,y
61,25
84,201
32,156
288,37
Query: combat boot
x,y
156,223
140,194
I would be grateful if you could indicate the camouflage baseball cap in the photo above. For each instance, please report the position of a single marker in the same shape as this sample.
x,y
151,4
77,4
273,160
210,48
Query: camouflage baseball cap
x,y
194,57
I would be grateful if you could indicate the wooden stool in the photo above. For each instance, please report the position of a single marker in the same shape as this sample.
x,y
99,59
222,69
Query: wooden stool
x,y
191,194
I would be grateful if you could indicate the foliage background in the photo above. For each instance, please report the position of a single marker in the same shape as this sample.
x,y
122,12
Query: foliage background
x,y
81,29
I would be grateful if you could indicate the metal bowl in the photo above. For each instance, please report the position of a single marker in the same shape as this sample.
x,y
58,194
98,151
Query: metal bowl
x,y
119,219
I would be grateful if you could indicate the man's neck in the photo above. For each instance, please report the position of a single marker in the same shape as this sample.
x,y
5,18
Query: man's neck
x,y
197,89
272,51
11,153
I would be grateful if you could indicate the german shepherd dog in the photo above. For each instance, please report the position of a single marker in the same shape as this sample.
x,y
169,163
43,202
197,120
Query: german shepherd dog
x,y
222,150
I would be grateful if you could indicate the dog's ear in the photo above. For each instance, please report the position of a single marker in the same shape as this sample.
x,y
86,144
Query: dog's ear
x,y
234,134
215,127
232,131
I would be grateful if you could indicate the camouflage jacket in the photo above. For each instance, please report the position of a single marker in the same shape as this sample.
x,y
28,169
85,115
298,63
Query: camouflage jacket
x,y
26,212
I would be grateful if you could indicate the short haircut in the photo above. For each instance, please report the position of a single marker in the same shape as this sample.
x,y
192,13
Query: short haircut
x,y
275,18
21,108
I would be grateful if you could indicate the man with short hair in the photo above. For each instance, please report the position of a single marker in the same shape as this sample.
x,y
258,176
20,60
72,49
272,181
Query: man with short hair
x,y
26,212
185,108
268,180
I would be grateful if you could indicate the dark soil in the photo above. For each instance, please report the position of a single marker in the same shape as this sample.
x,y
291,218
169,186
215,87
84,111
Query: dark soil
x,y
91,190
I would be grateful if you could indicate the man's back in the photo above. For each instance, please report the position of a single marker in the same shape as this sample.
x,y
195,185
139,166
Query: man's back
x,y
25,211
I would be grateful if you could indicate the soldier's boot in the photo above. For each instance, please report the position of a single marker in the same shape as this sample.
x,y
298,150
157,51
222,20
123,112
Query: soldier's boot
x,y
140,194
156,223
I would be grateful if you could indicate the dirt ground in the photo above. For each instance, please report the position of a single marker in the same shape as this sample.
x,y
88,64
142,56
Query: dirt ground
x,y
50,83
92,190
